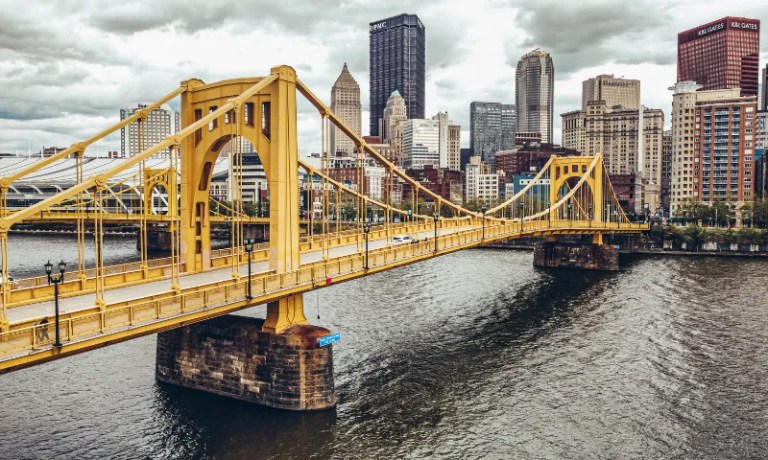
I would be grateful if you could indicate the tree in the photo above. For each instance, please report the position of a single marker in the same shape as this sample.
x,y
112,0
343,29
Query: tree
x,y
760,212
693,236
719,213
692,211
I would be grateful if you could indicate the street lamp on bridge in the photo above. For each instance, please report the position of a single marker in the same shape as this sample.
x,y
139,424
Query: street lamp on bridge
x,y
521,207
483,209
367,230
436,217
56,281
570,213
248,245
590,215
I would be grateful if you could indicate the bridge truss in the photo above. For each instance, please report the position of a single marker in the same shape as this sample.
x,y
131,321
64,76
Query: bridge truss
x,y
569,195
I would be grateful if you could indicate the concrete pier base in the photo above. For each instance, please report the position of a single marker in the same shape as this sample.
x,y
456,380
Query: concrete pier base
x,y
157,240
584,256
231,356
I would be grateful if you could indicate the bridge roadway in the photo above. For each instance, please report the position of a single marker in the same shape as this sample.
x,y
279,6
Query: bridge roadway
x,y
133,311
75,304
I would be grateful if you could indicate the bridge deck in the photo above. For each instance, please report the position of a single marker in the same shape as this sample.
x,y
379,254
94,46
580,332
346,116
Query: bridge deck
x,y
137,310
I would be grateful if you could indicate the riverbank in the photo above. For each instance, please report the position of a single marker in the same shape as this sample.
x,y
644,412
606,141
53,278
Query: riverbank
x,y
669,253
652,252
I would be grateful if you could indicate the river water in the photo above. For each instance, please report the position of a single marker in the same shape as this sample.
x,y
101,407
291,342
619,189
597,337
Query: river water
x,y
474,355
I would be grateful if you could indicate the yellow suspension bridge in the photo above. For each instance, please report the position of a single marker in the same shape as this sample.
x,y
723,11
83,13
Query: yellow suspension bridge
x,y
101,305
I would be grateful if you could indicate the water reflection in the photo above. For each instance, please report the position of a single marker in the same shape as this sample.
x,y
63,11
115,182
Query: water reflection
x,y
471,355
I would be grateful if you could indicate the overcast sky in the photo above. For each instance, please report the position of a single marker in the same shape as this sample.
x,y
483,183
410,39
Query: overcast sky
x,y
68,66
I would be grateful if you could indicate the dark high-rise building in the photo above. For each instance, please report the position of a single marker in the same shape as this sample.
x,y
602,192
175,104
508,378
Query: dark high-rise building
x,y
492,127
722,54
535,94
397,63
764,82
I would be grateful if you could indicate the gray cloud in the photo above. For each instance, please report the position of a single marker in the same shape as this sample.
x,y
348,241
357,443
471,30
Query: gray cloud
x,y
587,33
65,70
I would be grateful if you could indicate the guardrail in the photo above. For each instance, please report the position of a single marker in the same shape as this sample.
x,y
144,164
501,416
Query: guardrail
x,y
122,317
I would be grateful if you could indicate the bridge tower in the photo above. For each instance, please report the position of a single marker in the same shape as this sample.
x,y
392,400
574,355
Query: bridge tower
x,y
590,172
267,119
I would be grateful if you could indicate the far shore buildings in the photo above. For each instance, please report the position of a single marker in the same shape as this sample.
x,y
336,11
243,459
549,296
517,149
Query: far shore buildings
x,y
631,144
481,185
140,135
492,127
715,120
714,137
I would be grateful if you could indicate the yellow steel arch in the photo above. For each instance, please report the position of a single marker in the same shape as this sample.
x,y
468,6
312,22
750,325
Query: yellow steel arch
x,y
576,167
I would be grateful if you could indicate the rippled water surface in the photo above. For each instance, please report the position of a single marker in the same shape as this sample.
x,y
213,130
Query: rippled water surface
x,y
471,355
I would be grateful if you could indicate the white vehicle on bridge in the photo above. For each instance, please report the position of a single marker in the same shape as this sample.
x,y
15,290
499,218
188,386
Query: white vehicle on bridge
x,y
401,239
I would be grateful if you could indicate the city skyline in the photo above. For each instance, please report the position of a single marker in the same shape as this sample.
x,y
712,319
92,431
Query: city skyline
x,y
89,62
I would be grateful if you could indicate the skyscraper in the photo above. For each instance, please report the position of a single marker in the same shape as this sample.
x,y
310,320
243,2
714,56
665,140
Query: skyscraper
x,y
683,185
725,126
345,103
721,54
397,63
614,91
628,143
140,135
444,125
666,167
421,143
391,127
394,112
534,94
454,147
492,127
764,82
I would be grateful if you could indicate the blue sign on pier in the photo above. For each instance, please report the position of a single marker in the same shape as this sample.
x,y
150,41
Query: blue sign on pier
x,y
329,339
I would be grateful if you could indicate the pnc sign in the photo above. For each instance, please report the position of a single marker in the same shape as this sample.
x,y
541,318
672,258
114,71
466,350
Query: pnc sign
x,y
378,26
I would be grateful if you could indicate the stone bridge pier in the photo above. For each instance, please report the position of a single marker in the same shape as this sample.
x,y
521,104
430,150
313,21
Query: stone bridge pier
x,y
577,255
232,356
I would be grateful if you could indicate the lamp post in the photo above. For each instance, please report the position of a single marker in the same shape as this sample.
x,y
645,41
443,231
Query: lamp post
x,y
483,209
607,214
570,213
521,207
549,216
248,244
435,216
367,230
56,281
590,216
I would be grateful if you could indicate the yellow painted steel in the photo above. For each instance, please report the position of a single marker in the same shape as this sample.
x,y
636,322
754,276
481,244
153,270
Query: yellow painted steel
x,y
264,112
118,321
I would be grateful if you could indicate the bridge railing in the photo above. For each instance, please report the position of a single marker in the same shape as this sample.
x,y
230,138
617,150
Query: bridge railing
x,y
128,318
132,314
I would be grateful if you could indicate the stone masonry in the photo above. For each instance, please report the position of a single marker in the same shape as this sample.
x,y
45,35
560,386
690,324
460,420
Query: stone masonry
x,y
585,256
231,356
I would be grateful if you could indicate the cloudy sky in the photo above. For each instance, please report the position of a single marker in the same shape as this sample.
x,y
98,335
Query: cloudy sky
x,y
68,66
